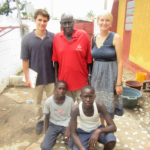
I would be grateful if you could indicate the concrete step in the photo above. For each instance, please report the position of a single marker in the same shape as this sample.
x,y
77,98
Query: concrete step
x,y
15,80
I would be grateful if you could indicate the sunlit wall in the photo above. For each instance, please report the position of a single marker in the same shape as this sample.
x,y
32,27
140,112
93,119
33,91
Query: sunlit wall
x,y
140,39
121,17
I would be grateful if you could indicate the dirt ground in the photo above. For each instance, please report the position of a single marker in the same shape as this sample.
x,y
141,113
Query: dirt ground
x,y
17,118
17,124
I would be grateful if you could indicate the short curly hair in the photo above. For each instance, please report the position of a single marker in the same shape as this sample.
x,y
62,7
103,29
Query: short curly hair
x,y
42,12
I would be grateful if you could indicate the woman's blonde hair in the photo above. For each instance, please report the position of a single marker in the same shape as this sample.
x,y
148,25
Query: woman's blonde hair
x,y
105,13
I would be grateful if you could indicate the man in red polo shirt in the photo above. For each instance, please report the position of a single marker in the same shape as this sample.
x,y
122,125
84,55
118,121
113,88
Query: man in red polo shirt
x,y
72,57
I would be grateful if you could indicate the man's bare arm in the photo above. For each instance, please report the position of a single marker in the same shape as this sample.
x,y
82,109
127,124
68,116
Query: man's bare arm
x,y
25,63
111,125
110,128
75,137
46,122
89,66
56,71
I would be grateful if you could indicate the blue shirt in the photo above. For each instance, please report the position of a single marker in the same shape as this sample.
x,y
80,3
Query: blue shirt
x,y
39,54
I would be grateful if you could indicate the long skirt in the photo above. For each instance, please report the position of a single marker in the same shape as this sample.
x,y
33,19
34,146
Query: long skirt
x,y
104,78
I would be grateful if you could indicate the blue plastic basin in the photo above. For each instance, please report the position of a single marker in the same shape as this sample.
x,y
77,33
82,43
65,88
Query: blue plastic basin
x,y
130,97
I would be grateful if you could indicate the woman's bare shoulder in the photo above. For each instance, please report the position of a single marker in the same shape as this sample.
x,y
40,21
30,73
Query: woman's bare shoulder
x,y
117,36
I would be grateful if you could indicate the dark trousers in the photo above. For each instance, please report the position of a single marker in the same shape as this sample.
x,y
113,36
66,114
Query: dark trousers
x,y
51,134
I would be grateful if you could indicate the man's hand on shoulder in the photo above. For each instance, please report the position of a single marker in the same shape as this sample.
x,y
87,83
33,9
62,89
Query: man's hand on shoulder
x,y
94,138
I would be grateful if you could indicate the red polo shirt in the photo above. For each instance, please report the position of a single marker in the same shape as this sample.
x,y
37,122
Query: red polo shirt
x,y
73,58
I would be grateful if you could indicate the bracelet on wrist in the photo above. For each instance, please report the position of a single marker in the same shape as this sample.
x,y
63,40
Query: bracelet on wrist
x,y
119,84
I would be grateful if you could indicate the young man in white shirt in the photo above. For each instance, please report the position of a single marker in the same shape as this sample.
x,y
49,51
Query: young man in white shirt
x,y
90,131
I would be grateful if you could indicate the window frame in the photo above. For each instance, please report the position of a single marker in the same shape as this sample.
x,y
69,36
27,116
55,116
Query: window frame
x,y
128,15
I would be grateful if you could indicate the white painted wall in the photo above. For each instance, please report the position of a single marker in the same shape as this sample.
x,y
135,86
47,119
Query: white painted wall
x,y
96,27
10,43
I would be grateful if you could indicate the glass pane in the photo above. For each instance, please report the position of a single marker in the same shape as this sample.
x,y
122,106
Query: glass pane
x,y
129,19
130,4
130,11
128,27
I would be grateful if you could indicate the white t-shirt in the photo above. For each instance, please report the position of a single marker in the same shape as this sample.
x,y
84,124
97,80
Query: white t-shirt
x,y
59,114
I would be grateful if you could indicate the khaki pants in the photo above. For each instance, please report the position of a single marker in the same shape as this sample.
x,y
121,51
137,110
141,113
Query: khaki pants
x,y
38,95
75,95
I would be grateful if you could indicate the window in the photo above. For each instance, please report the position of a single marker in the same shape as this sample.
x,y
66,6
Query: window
x,y
129,15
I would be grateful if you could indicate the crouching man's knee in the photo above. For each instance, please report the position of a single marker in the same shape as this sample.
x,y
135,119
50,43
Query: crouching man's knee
x,y
45,147
110,145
